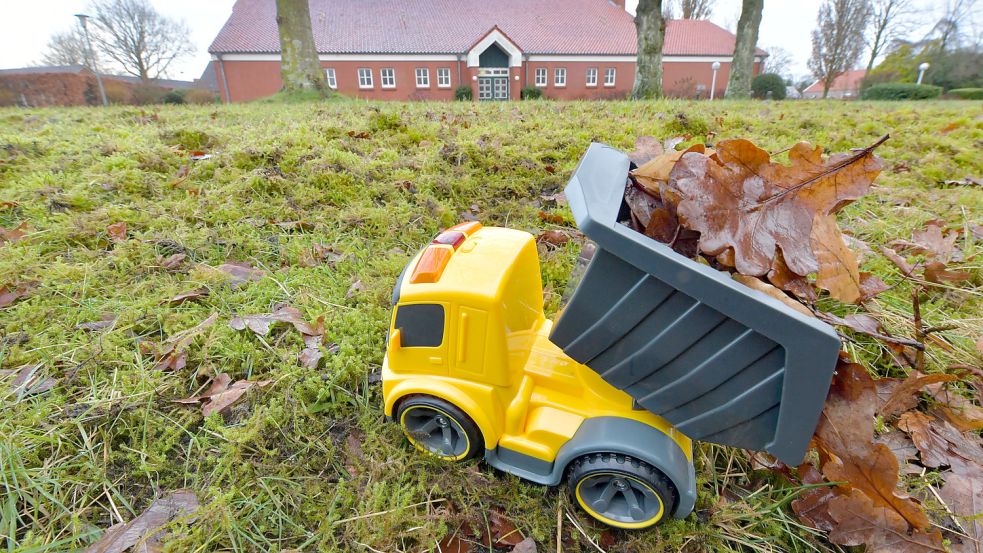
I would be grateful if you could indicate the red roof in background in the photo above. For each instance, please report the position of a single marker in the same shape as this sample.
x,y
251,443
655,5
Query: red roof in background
x,y
846,81
452,26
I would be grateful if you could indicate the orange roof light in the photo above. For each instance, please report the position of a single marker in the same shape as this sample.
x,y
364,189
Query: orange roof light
x,y
431,264
468,228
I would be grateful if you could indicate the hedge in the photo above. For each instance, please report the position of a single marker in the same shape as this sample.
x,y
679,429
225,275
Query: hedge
x,y
902,91
463,93
531,93
966,93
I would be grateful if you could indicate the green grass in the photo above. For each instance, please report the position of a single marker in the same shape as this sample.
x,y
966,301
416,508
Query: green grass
x,y
309,462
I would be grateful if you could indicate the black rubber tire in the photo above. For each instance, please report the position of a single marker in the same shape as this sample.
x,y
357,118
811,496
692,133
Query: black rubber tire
x,y
460,424
632,474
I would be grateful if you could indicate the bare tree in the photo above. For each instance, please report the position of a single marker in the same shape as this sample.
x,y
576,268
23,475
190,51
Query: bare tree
x,y
887,18
742,64
838,41
650,29
138,38
950,26
300,66
778,61
65,48
696,9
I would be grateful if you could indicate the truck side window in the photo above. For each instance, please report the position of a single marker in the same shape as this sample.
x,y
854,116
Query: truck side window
x,y
420,325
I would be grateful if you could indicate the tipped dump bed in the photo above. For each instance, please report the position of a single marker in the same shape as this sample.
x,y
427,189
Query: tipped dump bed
x,y
720,361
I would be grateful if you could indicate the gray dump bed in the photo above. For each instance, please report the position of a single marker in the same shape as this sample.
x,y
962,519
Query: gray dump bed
x,y
722,362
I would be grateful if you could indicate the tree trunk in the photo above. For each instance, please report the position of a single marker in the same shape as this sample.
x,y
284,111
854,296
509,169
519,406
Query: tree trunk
x,y
300,68
742,65
651,30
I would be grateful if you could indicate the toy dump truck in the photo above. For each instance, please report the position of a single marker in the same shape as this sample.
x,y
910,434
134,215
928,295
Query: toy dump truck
x,y
652,350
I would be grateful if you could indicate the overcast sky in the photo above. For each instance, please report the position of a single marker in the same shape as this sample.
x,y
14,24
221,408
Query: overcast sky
x,y
26,26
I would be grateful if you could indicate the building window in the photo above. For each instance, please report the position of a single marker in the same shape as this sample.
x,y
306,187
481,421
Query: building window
x,y
541,76
422,77
560,76
609,76
330,76
592,76
364,77
388,77
444,77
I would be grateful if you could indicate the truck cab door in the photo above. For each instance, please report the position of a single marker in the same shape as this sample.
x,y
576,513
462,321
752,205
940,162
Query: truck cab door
x,y
470,342
418,338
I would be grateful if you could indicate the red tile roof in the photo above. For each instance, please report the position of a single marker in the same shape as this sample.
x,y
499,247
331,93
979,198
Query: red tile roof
x,y
581,27
846,81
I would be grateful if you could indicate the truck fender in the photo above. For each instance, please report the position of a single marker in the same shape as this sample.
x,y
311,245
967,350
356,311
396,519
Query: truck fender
x,y
462,397
635,439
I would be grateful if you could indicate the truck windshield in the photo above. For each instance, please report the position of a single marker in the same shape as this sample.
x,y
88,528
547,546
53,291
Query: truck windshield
x,y
421,325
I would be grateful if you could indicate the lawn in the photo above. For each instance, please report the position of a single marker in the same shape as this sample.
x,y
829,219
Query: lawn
x,y
329,201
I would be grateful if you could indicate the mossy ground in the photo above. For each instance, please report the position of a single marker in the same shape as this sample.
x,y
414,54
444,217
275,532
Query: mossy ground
x,y
308,463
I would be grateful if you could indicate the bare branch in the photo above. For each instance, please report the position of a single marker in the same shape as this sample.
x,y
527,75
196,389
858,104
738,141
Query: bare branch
x,y
138,38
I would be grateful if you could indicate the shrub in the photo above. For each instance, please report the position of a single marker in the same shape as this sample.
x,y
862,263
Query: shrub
x,y
902,91
175,96
463,93
966,93
200,96
531,93
144,94
768,85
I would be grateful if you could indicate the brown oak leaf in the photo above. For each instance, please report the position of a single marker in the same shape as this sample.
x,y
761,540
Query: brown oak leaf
x,y
963,494
144,533
859,520
740,199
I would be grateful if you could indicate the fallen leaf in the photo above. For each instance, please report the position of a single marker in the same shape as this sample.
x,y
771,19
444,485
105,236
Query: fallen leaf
x,y
936,271
904,396
10,294
899,262
940,444
146,531
174,261
963,495
195,294
354,289
902,447
838,269
117,232
321,253
296,225
29,380
359,134
501,532
950,127
552,218
553,237
845,440
260,324
107,320
930,241
740,199
860,521
173,355
968,181
812,505
222,394
15,234
871,286
527,545
309,357
646,148
241,273
762,286
655,173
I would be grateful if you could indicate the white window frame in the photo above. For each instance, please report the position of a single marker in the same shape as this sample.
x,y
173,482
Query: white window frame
x,y
443,77
613,73
365,78
331,77
387,74
591,72
545,74
560,77
422,77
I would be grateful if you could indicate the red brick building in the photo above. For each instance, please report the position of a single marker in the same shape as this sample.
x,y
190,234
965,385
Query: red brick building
x,y
424,49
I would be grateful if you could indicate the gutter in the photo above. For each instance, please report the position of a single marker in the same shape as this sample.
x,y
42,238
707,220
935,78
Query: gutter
x,y
225,82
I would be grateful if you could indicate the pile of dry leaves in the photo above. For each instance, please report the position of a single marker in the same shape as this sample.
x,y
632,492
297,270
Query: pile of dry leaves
x,y
773,226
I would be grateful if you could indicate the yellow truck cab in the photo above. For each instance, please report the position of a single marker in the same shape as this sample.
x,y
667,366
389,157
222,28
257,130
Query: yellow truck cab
x,y
474,368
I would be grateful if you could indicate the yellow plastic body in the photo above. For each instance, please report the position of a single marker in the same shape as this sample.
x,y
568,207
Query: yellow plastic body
x,y
495,361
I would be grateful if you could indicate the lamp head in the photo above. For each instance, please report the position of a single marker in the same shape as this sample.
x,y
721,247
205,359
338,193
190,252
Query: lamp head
x,y
924,66
716,65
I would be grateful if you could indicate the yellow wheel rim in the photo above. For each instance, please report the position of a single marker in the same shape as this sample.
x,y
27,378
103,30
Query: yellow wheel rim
x,y
648,506
435,432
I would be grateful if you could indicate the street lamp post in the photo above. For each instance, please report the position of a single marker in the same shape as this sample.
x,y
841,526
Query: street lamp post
x,y
713,80
921,71
91,55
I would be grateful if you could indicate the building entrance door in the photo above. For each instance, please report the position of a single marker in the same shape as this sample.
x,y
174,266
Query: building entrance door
x,y
493,83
